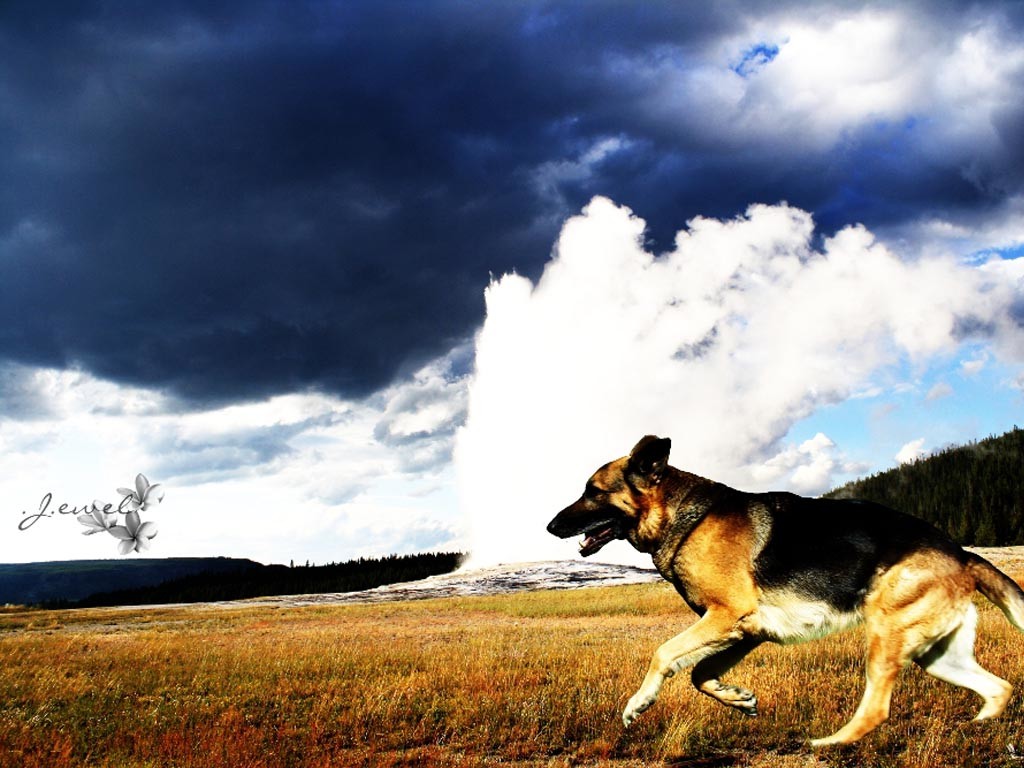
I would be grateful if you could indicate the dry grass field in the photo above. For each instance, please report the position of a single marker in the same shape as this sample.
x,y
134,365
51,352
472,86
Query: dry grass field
x,y
532,679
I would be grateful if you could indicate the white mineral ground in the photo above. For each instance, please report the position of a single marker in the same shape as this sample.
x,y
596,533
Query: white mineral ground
x,y
519,577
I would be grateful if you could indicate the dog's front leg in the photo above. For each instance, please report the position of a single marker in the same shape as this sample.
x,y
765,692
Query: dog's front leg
x,y
715,631
706,674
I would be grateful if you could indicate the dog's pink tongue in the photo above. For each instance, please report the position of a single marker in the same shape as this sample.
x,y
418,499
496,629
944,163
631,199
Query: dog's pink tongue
x,y
595,541
587,546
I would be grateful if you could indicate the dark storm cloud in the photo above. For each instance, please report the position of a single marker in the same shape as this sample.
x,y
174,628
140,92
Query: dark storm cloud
x,y
20,397
231,201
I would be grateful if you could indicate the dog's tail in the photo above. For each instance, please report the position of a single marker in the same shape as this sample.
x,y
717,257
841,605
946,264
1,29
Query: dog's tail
x,y
999,588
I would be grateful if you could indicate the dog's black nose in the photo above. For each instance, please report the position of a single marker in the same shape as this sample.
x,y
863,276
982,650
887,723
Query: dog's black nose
x,y
557,527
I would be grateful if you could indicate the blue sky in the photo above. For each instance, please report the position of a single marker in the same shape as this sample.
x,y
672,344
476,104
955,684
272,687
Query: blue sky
x,y
942,406
246,247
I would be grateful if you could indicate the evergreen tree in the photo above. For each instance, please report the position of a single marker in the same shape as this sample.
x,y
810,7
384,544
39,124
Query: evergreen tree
x,y
975,492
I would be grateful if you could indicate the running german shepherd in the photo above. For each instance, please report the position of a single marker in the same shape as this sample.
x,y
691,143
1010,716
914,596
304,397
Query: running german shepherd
x,y
779,567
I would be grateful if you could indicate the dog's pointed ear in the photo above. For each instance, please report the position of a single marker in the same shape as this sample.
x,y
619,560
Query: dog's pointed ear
x,y
649,458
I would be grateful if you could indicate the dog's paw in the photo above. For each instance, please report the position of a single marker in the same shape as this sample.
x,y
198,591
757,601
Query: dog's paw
x,y
637,705
731,696
829,741
747,705
743,700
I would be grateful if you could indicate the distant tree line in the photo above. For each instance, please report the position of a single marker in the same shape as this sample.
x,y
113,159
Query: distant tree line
x,y
265,580
974,492
48,582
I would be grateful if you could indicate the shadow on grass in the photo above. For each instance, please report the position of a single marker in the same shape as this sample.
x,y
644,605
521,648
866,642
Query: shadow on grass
x,y
702,761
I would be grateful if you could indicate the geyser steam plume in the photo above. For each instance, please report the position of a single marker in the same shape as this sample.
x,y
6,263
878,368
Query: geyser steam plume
x,y
722,344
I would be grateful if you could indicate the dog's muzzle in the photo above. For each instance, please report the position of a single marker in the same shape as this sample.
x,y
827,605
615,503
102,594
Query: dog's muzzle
x,y
597,530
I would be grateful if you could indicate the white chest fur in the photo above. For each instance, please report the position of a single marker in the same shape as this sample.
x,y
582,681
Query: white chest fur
x,y
787,617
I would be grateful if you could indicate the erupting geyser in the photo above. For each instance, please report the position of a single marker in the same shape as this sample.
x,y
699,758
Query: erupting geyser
x,y
722,344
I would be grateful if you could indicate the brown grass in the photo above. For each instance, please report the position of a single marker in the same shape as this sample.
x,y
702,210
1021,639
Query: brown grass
x,y
536,679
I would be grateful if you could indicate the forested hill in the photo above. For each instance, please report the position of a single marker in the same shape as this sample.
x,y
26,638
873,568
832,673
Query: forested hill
x,y
73,580
973,492
80,583
263,580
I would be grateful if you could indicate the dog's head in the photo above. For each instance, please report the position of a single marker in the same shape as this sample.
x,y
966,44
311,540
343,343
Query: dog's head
x,y
616,497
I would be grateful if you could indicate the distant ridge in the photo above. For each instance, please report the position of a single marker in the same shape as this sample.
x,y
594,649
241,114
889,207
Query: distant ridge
x,y
974,492
73,580
85,583
265,580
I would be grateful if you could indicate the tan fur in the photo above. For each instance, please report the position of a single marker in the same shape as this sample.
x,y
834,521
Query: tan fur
x,y
705,538
911,607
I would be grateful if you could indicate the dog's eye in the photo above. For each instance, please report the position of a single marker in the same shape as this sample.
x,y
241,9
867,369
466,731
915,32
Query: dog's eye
x,y
593,490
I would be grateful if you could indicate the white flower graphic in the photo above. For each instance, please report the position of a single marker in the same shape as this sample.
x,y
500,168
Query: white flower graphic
x,y
135,535
144,496
97,519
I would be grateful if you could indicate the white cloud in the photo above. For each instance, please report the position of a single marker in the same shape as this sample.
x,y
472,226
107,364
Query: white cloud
x,y
303,475
431,402
723,344
834,75
911,452
548,177
973,235
808,468
939,391
837,70
972,367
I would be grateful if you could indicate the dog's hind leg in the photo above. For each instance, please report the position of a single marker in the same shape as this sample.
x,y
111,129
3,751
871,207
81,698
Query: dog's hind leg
x,y
886,658
716,631
916,610
952,660
706,673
